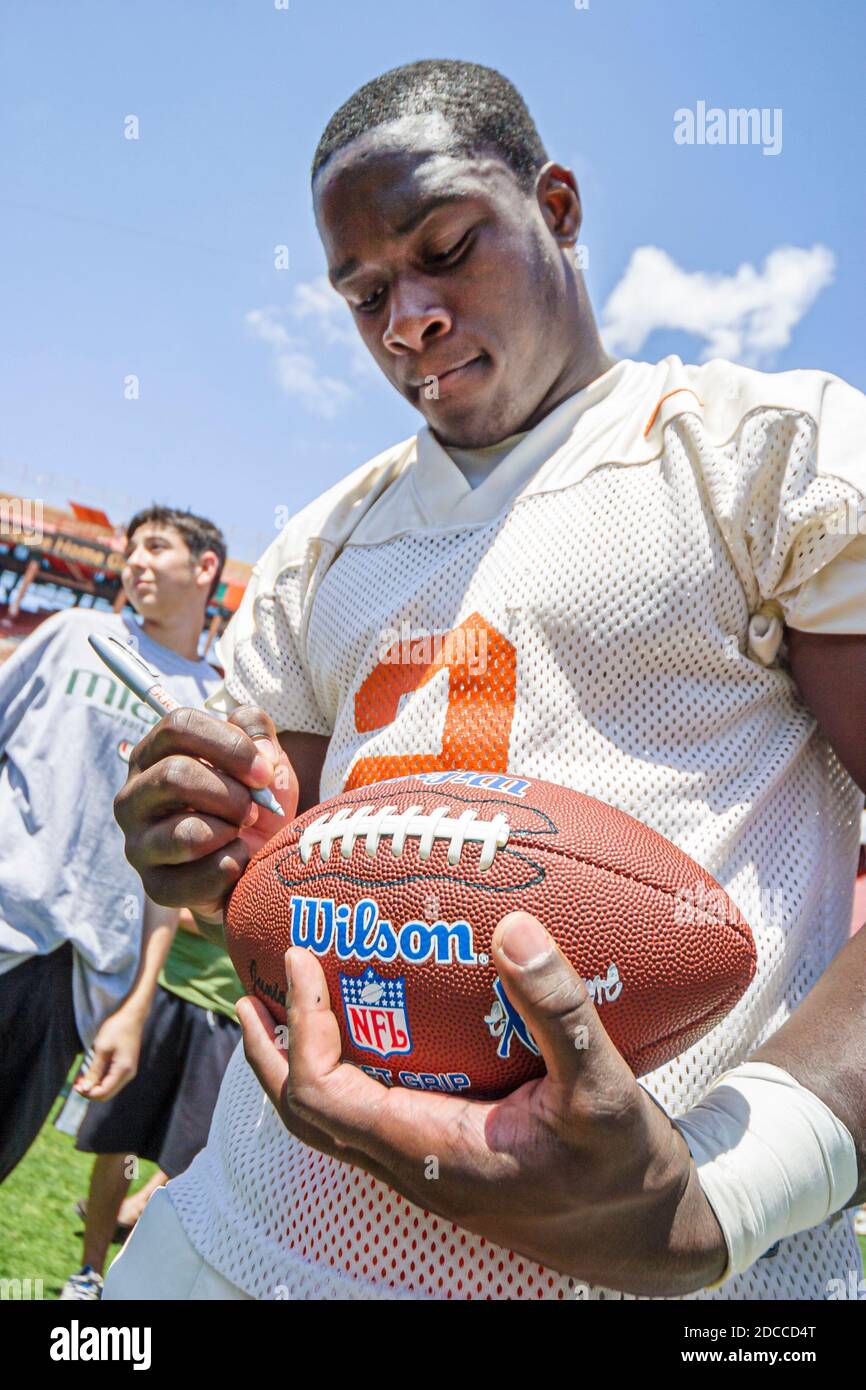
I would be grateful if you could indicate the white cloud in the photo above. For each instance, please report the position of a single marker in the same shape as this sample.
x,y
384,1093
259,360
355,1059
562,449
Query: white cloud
x,y
315,319
264,325
747,316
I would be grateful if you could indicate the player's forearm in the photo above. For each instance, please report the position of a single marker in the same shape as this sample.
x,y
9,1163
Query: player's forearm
x,y
830,670
823,1045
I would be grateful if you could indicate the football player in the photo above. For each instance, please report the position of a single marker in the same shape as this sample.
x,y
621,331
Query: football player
x,y
659,560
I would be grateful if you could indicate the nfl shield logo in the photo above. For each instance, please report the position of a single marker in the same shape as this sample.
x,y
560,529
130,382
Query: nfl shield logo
x,y
376,1013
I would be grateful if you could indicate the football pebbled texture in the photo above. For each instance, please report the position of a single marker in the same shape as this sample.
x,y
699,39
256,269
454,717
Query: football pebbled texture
x,y
398,886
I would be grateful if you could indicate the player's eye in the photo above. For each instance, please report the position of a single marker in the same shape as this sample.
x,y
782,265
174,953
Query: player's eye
x,y
371,302
444,257
438,258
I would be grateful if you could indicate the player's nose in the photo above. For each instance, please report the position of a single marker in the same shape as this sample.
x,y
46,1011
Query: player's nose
x,y
414,322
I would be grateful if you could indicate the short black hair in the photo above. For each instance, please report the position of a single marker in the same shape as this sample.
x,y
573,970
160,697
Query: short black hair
x,y
485,110
199,533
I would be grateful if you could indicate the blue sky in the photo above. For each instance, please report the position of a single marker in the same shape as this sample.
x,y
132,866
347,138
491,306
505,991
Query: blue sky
x,y
154,257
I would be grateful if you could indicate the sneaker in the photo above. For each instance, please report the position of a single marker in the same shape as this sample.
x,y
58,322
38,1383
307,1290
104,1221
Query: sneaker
x,y
83,1287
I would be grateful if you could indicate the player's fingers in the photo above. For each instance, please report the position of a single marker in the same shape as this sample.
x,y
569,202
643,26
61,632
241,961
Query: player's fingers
x,y
263,1047
180,839
390,1132
339,1099
221,742
316,1138
202,884
175,783
553,1001
336,1120
314,1048
284,785
269,1060
258,726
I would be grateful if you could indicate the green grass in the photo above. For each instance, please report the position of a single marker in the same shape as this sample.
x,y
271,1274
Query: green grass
x,y
40,1234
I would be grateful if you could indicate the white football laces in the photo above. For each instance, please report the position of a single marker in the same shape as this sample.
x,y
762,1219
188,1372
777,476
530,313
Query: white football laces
x,y
386,822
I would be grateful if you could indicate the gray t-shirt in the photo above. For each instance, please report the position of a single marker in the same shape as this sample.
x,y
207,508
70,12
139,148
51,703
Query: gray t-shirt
x,y
67,728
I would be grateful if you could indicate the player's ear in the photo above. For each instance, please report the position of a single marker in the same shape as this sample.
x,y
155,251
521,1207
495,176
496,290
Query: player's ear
x,y
559,196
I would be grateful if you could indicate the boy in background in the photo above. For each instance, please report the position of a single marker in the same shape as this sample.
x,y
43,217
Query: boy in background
x,y
163,1114
77,938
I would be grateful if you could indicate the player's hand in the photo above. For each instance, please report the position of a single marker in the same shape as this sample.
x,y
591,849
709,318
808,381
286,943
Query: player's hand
x,y
579,1170
190,823
116,1051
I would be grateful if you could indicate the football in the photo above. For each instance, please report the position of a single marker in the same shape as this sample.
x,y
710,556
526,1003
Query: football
x,y
398,886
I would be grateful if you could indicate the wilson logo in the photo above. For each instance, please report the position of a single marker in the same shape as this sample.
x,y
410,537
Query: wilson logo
x,y
360,933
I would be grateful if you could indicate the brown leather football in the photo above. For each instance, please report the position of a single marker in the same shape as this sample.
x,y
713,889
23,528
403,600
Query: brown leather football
x,y
398,886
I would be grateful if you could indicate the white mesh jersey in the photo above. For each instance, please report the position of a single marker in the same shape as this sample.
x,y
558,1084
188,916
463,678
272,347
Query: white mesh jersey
x,y
604,611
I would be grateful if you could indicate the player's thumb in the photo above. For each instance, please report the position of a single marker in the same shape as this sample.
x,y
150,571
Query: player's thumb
x,y
283,781
258,726
554,1003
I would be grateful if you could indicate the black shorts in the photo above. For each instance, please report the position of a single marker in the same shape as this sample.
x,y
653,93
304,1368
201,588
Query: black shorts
x,y
38,1044
164,1114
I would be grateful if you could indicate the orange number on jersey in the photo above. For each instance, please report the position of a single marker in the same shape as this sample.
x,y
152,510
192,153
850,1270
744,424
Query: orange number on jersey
x,y
480,703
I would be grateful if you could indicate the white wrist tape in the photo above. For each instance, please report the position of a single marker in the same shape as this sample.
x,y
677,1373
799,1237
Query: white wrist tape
x,y
772,1159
